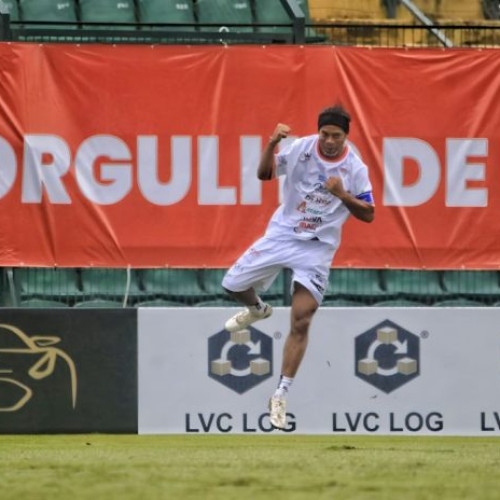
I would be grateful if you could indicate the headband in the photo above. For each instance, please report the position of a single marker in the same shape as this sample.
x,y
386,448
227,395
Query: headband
x,y
333,118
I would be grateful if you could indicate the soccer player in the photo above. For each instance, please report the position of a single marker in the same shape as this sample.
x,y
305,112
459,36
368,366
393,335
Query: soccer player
x,y
325,182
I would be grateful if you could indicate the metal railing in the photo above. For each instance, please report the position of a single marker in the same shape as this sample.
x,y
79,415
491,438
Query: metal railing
x,y
389,33
393,34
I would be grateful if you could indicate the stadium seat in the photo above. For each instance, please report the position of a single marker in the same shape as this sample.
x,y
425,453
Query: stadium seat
x,y
109,283
211,280
160,303
357,284
277,288
48,11
459,303
107,11
398,303
267,12
10,7
42,303
47,283
168,11
99,303
483,284
342,303
173,284
217,303
412,284
224,13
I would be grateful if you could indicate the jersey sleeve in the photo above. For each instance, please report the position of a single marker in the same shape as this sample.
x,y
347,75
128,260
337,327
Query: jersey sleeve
x,y
285,159
362,186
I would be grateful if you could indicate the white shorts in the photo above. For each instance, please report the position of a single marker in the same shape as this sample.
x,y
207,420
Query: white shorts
x,y
310,261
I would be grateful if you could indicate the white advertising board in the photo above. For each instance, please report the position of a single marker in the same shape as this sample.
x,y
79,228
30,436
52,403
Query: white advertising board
x,y
415,371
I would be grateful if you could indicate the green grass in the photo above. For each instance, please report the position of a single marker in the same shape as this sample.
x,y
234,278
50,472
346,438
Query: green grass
x,y
248,467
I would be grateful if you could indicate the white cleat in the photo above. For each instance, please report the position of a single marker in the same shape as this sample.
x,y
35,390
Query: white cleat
x,y
277,409
245,318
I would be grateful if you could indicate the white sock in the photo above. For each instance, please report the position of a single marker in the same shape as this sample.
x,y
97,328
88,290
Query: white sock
x,y
283,387
258,306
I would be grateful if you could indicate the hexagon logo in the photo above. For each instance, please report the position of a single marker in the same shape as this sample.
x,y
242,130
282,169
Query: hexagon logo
x,y
240,360
387,356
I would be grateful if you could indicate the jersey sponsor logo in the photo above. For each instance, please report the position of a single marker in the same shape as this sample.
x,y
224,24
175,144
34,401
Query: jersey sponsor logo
x,y
315,220
319,187
318,200
302,207
308,224
305,209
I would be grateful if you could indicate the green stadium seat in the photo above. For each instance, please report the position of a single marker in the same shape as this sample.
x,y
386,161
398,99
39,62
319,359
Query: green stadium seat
x,y
460,302
342,303
48,11
275,301
107,11
224,13
160,303
109,283
99,303
47,283
169,12
173,284
354,284
483,284
277,288
398,303
42,303
217,303
273,12
413,284
211,279
10,7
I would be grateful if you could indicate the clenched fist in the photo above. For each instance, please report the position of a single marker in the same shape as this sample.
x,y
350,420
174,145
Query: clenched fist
x,y
280,132
335,186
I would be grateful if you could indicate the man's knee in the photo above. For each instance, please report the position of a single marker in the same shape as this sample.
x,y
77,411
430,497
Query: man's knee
x,y
301,320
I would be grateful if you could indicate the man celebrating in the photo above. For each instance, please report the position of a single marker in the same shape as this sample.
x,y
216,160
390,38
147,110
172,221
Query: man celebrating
x,y
325,182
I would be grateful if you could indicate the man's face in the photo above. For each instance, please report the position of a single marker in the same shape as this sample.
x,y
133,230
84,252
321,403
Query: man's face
x,y
331,141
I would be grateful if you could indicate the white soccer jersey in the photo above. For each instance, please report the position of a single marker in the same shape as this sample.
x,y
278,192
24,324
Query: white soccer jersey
x,y
309,210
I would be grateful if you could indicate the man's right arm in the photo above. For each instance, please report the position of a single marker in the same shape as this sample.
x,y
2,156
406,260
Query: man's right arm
x,y
265,171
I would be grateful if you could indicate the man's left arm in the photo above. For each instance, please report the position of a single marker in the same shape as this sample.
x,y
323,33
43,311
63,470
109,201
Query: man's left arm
x,y
361,209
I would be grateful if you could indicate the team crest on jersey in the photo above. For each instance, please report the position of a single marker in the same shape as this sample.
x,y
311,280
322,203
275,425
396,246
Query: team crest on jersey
x,y
304,157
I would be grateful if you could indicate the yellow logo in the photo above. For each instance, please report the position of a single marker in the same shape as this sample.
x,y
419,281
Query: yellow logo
x,y
15,341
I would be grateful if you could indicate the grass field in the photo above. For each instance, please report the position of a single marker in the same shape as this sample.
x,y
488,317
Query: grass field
x,y
248,467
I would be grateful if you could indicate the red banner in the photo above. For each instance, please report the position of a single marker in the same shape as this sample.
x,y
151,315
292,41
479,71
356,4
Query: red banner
x,y
146,156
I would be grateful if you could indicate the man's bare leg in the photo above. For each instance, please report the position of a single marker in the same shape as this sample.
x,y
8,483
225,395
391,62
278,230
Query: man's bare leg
x,y
304,306
247,297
